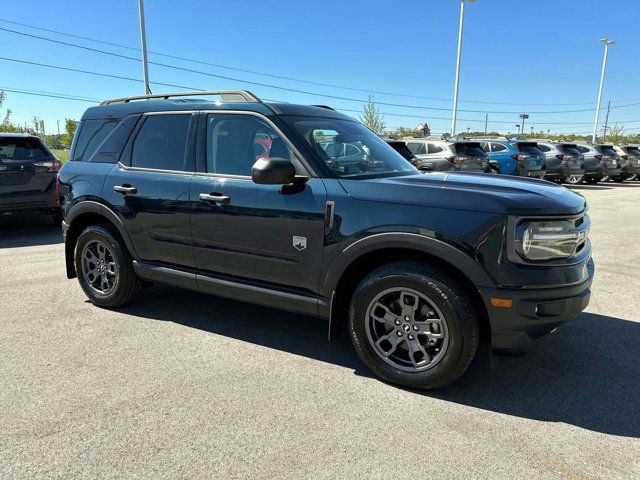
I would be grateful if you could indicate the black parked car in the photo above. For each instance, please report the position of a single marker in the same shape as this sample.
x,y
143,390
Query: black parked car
x,y
401,147
28,176
418,267
601,162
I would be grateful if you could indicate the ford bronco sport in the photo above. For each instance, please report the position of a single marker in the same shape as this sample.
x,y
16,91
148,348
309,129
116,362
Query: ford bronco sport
x,y
253,201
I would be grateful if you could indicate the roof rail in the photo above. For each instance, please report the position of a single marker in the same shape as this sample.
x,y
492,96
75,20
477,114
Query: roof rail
x,y
324,106
226,95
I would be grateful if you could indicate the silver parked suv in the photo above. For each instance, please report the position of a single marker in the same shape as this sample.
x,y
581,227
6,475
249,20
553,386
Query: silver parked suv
x,y
630,169
436,154
601,162
564,162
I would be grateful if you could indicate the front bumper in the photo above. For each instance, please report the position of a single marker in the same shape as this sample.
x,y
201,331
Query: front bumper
x,y
534,313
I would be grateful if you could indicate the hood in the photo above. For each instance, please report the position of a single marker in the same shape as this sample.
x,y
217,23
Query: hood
x,y
468,191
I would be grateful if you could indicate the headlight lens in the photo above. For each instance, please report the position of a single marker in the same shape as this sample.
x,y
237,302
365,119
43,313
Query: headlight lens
x,y
546,240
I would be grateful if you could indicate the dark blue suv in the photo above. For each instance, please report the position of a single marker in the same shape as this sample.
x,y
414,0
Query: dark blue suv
x,y
304,209
515,157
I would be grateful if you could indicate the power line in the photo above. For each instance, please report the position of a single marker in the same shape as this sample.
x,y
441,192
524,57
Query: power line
x,y
278,87
48,94
281,77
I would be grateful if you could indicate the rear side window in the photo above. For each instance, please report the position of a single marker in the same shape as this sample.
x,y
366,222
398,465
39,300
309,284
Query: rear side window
x,y
21,149
92,134
530,148
432,148
161,142
416,148
498,147
472,149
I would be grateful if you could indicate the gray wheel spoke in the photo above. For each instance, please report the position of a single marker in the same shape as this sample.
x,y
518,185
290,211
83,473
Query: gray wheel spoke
x,y
425,329
101,251
111,268
410,303
415,347
393,339
387,317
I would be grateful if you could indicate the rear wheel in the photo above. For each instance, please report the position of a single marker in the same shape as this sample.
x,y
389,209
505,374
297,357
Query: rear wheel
x,y
104,268
618,178
413,325
574,179
592,180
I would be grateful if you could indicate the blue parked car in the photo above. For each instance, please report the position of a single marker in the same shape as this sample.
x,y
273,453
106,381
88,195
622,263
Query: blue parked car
x,y
515,157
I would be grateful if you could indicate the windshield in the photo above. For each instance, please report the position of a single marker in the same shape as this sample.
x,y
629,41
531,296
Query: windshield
x,y
350,149
21,149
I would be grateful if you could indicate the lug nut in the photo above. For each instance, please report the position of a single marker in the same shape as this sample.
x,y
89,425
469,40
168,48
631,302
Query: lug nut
x,y
406,317
410,337
399,333
397,322
416,328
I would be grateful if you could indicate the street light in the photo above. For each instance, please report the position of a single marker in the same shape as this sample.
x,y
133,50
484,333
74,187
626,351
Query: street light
x,y
455,90
606,42
143,41
523,116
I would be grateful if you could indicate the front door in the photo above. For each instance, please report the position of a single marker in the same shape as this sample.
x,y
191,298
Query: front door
x,y
267,233
149,190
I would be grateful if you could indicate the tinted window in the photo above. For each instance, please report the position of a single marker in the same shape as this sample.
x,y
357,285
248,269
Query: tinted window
x,y
544,148
416,148
633,151
435,148
569,149
376,158
235,142
530,148
402,149
161,142
92,133
21,149
606,150
470,149
498,147
582,149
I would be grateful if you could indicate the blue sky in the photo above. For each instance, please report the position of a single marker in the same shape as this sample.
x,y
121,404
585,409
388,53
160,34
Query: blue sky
x,y
518,56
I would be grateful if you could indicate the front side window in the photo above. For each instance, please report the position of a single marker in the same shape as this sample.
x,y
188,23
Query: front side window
x,y
351,150
161,142
236,142
92,134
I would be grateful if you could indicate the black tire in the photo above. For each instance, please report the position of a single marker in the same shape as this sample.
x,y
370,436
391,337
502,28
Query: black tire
x,y
618,178
592,180
446,294
56,216
127,286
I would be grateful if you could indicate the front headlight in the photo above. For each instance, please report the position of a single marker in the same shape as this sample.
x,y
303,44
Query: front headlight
x,y
546,240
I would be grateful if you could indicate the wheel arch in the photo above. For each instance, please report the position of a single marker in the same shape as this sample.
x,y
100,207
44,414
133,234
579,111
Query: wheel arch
x,y
84,214
341,282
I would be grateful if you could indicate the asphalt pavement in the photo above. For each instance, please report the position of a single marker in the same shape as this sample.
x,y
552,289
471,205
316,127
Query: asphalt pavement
x,y
184,385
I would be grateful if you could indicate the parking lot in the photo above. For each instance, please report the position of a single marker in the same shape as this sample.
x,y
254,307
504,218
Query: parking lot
x,y
184,385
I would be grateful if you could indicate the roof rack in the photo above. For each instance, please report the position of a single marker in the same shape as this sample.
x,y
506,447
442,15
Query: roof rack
x,y
324,106
226,95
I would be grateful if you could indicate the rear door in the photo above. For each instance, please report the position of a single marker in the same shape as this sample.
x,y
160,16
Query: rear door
x,y
149,188
26,166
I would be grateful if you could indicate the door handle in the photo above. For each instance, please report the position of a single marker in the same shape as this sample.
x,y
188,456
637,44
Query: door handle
x,y
125,189
219,199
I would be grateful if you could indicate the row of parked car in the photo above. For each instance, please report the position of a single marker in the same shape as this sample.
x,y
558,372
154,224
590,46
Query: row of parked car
x,y
570,162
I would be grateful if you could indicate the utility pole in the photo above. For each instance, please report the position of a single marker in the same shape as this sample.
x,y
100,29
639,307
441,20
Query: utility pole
x,y
606,42
58,122
486,121
143,41
459,55
606,122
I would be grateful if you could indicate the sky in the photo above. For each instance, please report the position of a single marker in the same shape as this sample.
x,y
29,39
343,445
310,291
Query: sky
x,y
537,57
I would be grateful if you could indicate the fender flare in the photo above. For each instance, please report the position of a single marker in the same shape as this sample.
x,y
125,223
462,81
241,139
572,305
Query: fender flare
x,y
90,206
377,241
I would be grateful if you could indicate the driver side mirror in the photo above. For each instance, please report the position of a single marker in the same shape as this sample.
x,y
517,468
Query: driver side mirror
x,y
273,171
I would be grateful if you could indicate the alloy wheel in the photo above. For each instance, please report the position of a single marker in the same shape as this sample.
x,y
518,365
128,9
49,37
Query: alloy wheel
x,y
99,267
406,329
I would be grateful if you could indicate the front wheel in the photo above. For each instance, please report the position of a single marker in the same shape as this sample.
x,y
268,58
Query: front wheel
x,y
413,325
104,268
592,180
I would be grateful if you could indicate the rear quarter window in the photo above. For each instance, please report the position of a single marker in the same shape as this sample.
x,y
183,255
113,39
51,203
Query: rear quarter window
x,y
91,134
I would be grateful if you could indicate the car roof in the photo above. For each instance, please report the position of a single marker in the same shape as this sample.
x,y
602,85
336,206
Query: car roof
x,y
18,135
122,109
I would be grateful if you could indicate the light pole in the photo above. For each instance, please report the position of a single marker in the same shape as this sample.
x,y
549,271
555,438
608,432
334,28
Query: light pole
x,y
523,116
606,42
457,83
143,41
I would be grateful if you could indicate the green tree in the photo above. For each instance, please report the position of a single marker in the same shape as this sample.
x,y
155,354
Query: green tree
x,y
372,118
69,130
